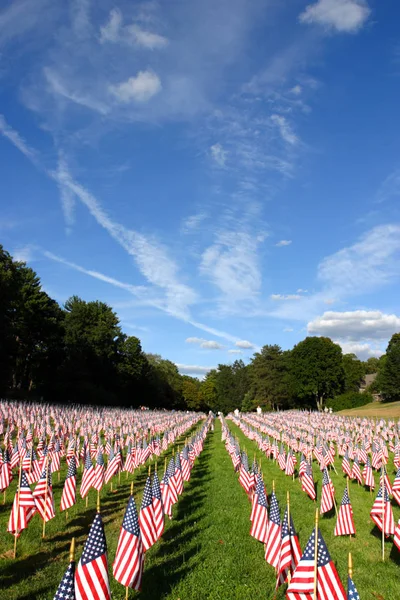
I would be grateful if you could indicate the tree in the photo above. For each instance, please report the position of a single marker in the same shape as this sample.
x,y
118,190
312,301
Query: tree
x,y
371,365
208,390
354,371
134,373
191,392
167,382
269,375
316,370
389,377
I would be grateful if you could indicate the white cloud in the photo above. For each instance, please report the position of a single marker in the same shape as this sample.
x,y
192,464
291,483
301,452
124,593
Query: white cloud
x,y
345,16
206,344
283,243
355,325
288,329
367,265
235,352
193,369
23,254
390,188
362,350
56,86
114,31
296,90
193,222
284,129
244,344
279,297
219,155
231,263
18,141
301,291
141,88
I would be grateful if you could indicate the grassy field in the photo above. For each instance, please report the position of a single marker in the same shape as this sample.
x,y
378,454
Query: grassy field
x,y
206,552
387,410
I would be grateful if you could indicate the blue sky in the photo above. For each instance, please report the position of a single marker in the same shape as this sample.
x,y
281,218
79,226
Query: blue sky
x,y
224,173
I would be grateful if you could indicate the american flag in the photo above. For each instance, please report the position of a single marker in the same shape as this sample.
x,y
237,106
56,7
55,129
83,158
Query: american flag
x,y
129,559
99,472
327,494
396,538
23,509
290,463
157,506
146,517
382,512
273,543
165,494
356,471
290,551
329,586
91,577
345,523
68,497
346,464
172,483
352,593
307,482
112,465
66,589
178,475
88,476
43,495
244,475
185,464
6,473
259,519
368,475
395,487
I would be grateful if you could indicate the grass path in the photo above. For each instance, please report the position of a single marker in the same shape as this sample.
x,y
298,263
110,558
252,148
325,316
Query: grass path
x,y
386,410
374,579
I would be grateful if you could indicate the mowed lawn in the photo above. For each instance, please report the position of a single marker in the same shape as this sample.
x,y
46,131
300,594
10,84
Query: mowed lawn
x,y
386,410
206,551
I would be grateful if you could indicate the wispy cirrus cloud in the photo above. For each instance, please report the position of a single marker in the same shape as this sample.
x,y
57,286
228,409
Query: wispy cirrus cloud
x,y
283,243
114,31
344,16
205,344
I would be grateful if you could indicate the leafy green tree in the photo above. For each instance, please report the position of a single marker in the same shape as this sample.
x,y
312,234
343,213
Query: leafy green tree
x,y
354,371
389,376
134,374
191,392
167,382
208,390
269,375
371,365
316,370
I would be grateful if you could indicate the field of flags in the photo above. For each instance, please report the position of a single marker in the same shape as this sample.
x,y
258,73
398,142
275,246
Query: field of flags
x,y
109,503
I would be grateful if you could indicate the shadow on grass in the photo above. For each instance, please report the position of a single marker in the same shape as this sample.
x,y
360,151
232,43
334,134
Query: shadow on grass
x,y
180,551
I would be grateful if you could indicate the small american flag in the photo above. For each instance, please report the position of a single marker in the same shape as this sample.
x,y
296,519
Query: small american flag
x,y
68,497
397,535
66,589
368,475
99,472
19,519
395,487
346,464
88,476
91,578
259,525
146,517
382,513
290,551
307,482
158,507
327,494
356,471
273,543
329,586
345,523
129,559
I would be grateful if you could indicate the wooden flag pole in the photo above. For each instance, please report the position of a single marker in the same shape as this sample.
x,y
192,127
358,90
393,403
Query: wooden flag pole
x,y
98,497
72,551
350,566
131,488
98,504
316,556
45,496
149,470
87,499
19,492
289,576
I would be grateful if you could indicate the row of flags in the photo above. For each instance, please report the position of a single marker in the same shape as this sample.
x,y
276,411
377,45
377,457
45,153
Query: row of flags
x,y
381,512
138,533
281,543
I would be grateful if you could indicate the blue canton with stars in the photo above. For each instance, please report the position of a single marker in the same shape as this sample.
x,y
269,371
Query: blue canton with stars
x,y
72,468
66,589
96,544
156,487
147,495
100,459
131,521
323,555
345,499
325,478
352,593
274,514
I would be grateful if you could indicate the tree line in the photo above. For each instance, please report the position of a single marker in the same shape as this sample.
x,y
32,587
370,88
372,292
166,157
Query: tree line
x,y
78,353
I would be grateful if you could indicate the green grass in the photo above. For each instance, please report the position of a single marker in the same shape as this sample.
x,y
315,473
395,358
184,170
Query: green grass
x,y
206,552
386,410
